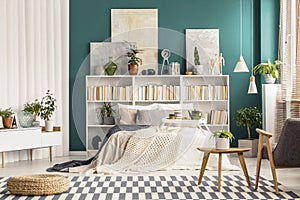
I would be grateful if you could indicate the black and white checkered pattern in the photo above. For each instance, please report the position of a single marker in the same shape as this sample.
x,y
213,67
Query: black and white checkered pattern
x,y
159,187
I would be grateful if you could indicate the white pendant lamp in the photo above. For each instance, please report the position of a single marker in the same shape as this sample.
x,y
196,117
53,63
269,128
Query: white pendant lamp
x,y
241,64
252,86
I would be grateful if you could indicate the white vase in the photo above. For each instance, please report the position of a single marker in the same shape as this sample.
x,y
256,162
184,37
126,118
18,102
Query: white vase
x,y
269,79
222,143
48,125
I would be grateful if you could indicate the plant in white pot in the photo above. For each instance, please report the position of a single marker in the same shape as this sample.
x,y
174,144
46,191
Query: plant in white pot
x,y
251,117
223,139
268,70
47,110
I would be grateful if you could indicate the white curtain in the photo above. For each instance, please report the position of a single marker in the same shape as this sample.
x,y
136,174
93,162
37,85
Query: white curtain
x,y
34,57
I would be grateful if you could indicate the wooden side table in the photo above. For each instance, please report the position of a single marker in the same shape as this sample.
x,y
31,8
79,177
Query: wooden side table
x,y
208,151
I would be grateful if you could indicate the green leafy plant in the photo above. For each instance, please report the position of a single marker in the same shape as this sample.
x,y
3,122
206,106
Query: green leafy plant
x,y
132,54
33,108
8,112
249,117
223,134
196,57
107,110
268,68
48,106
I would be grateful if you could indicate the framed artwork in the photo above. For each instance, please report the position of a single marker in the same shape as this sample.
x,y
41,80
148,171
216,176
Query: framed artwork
x,y
100,53
202,51
139,26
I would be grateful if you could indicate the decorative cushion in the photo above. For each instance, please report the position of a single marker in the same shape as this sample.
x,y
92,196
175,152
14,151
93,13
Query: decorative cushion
x,y
151,117
127,113
39,184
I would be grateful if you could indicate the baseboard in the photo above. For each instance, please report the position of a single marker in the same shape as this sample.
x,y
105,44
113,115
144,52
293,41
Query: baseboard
x,y
77,153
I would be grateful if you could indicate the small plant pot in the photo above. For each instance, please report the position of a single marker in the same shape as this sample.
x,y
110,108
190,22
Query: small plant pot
x,y
222,143
7,122
133,69
108,120
269,79
48,125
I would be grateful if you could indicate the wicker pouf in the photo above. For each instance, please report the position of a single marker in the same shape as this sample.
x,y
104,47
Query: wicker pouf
x,y
39,184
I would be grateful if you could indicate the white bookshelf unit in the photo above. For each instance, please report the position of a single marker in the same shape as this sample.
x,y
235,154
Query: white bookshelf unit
x,y
207,93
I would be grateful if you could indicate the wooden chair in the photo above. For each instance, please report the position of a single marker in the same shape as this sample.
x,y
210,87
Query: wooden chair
x,y
285,154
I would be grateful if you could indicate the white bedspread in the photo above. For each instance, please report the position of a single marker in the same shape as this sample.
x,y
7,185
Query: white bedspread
x,y
154,149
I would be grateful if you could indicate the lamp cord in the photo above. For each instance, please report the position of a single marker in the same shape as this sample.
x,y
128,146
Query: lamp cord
x,y
241,27
252,21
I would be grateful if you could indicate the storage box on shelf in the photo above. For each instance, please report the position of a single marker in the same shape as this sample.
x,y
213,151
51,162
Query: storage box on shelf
x,y
209,94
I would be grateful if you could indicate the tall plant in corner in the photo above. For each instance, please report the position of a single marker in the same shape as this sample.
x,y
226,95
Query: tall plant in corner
x,y
249,117
48,107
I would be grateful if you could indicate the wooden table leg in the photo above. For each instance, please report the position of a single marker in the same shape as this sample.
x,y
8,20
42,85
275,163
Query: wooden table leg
x,y
259,157
219,171
204,162
30,154
2,159
244,167
50,151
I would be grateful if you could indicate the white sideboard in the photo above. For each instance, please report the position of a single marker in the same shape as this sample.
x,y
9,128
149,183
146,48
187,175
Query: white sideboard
x,y
28,138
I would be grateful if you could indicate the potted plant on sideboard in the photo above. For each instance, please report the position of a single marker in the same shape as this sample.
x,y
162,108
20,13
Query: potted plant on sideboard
x,y
47,110
7,117
223,139
35,109
134,61
268,70
250,117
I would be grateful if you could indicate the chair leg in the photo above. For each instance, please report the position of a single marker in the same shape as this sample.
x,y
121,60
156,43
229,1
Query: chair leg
x,y
272,164
259,157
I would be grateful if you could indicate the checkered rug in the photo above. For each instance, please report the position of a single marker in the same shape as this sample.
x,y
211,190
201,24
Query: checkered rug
x,y
159,187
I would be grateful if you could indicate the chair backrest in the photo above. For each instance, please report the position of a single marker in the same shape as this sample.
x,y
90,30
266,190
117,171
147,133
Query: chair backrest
x,y
287,151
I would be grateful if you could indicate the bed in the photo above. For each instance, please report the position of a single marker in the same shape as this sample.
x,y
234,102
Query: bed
x,y
143,143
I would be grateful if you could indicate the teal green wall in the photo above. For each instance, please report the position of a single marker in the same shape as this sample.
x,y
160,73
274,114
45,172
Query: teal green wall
x,y
269,29
90,21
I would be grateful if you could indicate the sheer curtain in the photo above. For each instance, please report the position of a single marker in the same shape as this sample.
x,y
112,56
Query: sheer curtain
x,y
288,98
34,57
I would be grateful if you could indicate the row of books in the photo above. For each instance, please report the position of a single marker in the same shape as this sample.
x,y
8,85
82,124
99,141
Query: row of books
x,y
218,117
108,92
158,92
206,92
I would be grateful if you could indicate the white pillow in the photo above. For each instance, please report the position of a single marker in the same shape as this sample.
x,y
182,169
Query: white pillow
x,y
127,113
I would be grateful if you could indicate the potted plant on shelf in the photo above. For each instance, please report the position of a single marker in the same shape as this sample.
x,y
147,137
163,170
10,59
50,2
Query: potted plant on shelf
x,y
134,61
250,117
268,70
106,113
7,117
47,110
223,139
197,68
33,108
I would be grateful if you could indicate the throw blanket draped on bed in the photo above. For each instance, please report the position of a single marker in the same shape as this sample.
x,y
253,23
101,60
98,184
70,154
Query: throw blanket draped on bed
x,y
63,167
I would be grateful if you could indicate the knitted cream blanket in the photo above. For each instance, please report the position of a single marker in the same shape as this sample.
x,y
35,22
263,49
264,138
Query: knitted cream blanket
x,y
146,150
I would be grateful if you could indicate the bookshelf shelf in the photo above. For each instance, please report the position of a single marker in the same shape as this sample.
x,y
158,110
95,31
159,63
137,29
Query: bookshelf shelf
x,y
207,93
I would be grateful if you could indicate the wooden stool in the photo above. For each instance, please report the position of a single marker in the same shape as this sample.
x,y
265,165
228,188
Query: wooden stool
x,y
208,151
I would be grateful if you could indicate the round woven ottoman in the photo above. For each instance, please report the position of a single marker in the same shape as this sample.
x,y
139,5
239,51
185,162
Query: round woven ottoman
x,y
39,184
